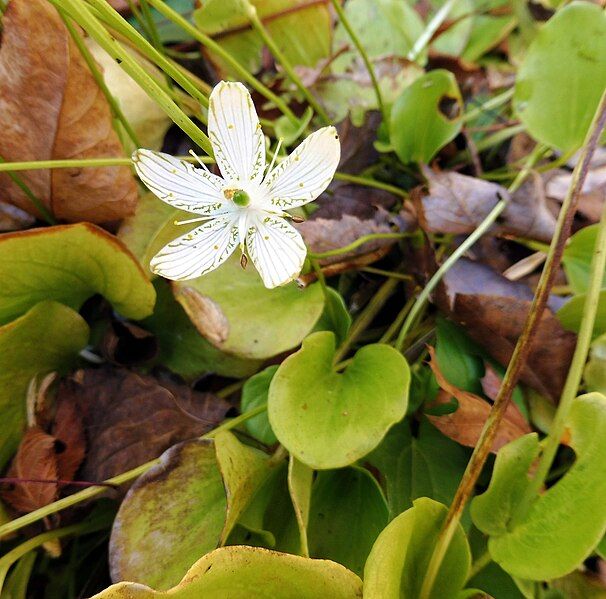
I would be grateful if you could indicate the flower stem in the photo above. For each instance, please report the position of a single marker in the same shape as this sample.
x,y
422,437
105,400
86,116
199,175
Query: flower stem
x,y
94,69
251,11
371,183
113,19
357,243
120,479
80,13
425,38
487,106
356,41
39,205
209,43
80,163
367,316
520,353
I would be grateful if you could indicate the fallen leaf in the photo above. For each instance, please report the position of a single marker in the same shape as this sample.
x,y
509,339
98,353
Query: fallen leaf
x,y
70,445
35,459
491,382
126,343
458,204
493,311
130,419
13,218
51,108
465,424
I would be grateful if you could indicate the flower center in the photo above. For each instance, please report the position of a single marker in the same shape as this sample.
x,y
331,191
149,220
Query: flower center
x,y
238,196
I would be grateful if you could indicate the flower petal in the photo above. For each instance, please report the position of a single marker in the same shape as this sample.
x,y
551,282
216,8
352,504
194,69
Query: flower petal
x,y
201,250
306,173
276,249
181,185
235,133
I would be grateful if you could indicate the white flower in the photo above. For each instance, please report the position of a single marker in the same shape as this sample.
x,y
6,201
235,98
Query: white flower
x,y
246,206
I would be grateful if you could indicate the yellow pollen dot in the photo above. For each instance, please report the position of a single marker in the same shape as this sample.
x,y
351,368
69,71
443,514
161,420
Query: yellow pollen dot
x,y
216,247
230,126
266,237
301,185
296,159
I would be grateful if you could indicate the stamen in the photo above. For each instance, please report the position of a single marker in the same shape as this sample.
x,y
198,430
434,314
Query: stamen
x,y
273,160
191,220
243,261
199,160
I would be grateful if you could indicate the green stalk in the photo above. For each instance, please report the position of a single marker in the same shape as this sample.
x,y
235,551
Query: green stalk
x,y
425,38
366,181
573,379
356,40
356,244
487,106
520,353
80,13
98,76
39,205
7,167
251,11
209,43
367,316
113,19
92,492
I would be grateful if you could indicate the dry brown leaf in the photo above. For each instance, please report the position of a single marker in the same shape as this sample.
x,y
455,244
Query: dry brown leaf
x,y
465,424
51,108
130,418
35,459
458,204
68,431
126,343
493,311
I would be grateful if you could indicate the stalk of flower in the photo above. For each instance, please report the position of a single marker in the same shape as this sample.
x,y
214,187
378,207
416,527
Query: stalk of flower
x,y
247,206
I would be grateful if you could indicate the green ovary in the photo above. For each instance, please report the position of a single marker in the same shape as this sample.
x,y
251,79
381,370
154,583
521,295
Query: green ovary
x,y
241,198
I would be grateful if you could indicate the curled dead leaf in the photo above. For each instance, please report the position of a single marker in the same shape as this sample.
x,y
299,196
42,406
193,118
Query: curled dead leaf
x,y
465,424
131,418
52,108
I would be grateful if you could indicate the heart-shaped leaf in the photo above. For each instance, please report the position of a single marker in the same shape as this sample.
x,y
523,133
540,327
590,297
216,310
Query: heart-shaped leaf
x,y
401,554
235,571
564,524
563,75
68,264
232,308
45,339
421,122
329,419
183,507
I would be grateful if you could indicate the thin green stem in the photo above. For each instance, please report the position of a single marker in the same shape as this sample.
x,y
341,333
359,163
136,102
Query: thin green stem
x,y
98,76
209,43
397,323
357,243
80,163
487,106
8,559
423,297
174,71
367,315
356,40
92,492
386,273
520,352
38,204
256,22
80,13
575,373
425,38
366,181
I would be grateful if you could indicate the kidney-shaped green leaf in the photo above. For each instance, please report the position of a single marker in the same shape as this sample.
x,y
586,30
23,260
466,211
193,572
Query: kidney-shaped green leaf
x,y
401,554
182,508
45,339
571,314
242,572
563,75
426,116
564,524
69,263
329,419
236,313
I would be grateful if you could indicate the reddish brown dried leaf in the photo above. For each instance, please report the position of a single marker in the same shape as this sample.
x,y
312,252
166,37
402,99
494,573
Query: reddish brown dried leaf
x,y
465,424
130,418
69,432
493,310
35,459
51,108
